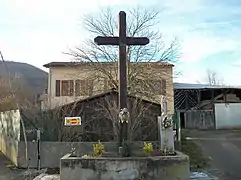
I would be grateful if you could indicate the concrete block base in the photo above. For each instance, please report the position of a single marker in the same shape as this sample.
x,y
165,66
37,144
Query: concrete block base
x,y
128,168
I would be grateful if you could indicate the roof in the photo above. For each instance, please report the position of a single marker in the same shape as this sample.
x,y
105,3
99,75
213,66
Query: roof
x,y
202,86
72,64
113,91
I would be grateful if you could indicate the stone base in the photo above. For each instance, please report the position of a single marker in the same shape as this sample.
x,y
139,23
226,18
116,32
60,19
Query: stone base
x,y
127,168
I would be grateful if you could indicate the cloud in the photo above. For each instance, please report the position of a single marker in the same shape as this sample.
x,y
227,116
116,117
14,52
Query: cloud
x,y
184,6
190,76
37,32
204,29
237,63
198,47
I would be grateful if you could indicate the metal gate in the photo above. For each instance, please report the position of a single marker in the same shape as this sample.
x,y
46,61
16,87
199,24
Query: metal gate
x,y
228,115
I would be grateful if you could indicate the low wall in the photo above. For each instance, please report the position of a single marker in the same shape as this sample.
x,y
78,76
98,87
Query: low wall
x,y
10,134
131,168
52,152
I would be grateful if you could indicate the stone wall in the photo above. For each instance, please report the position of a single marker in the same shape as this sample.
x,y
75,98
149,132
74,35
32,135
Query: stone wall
x,y
10,134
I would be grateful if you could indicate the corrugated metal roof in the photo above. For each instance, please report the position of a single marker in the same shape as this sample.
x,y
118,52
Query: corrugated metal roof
x,y
202,86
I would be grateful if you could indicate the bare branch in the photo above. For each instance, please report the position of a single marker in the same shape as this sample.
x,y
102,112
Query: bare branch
x,y
140,22
212,78
19,90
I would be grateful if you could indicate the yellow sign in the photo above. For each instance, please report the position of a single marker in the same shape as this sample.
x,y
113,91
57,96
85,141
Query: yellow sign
x,y
72,121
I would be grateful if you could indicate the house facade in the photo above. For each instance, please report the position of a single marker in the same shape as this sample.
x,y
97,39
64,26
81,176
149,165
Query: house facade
x,y
72,81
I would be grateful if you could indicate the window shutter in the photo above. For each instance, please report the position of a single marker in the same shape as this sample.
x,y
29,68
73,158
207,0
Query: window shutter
x,y
105,84
57,88
90,87
83,88
71,88
77,88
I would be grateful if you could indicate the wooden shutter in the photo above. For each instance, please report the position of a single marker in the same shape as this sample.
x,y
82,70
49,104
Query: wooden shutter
x,y
83,88
57,88
105,84
71,87
90,87
77,87
164,87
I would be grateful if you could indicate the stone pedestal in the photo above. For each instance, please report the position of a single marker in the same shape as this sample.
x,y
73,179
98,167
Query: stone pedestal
x,y
125,168
166,134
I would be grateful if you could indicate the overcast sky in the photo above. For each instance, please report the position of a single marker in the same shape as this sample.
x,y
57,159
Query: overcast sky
x,y
209,32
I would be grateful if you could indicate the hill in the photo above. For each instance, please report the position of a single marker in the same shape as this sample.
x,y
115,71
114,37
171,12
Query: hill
x,y
35,78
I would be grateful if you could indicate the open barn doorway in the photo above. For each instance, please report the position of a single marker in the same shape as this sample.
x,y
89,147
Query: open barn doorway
x,y
182,119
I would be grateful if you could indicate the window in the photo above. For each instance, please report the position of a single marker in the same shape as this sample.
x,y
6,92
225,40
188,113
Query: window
x,y
84,87
155,86
107,84
64,88
159,86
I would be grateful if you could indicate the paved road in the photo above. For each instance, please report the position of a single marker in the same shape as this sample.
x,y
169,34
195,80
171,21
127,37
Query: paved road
x,y
6,173
224,149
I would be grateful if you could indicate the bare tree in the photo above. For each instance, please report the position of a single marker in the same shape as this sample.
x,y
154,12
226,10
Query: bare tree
x,y
20,93
142,124
51,122
213,79
140,22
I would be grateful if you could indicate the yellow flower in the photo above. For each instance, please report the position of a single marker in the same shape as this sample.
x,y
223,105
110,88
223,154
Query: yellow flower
x,y
148,148
98,149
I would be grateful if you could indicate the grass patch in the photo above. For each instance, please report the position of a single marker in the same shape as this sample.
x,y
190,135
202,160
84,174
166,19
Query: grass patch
x,y
197,160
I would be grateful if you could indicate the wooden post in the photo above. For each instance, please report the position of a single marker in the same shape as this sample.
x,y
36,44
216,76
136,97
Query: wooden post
x,y
213,107
178,131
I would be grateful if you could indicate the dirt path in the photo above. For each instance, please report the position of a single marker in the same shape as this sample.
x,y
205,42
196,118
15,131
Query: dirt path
x,y
224,150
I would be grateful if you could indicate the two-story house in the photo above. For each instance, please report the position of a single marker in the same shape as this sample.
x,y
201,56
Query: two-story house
x,y
71,81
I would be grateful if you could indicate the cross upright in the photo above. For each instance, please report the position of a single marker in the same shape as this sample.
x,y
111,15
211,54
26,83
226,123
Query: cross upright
x,y
122,41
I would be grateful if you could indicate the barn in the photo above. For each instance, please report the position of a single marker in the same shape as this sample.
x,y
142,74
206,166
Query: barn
x,y
99,115
202,106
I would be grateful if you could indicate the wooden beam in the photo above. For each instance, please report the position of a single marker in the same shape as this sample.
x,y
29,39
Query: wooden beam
x,y
186,100
99,40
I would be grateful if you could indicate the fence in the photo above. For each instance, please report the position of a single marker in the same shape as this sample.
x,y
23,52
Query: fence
x,y
199,119
51,152
13,146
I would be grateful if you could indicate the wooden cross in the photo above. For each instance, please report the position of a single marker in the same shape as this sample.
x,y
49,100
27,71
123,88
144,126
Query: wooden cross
x,y
122,41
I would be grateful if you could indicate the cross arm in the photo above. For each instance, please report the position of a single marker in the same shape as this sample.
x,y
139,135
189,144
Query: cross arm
x,y
99,40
